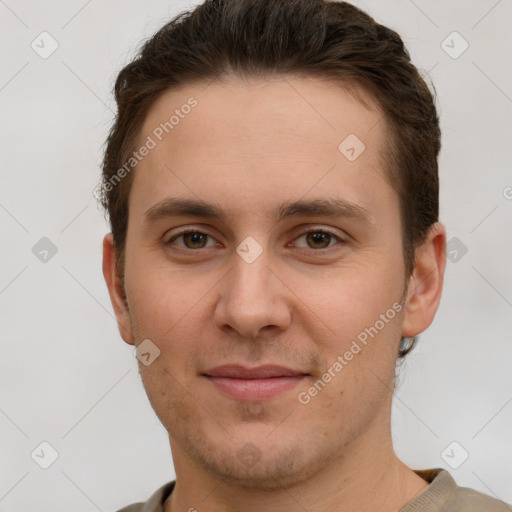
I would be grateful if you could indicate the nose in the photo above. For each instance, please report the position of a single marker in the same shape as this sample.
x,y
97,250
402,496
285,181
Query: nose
x,y
253,299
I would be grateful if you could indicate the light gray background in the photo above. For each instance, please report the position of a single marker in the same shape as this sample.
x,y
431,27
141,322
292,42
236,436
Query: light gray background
x,y
67,377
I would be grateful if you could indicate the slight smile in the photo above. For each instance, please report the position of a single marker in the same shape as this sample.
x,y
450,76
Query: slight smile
x,y
253,384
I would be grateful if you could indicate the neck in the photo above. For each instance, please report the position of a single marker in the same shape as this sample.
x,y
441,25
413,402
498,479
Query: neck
x,y
367,476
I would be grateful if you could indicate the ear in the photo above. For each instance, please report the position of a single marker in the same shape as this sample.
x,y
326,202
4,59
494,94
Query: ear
x,y
115,290
425,283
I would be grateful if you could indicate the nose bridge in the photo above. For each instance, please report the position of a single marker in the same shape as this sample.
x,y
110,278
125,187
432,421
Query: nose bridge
x,y
250,297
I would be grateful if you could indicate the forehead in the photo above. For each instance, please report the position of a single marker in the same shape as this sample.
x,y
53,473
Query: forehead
x,y
253,142
257,108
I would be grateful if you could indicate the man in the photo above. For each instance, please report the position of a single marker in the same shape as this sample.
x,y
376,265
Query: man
x,y
271,182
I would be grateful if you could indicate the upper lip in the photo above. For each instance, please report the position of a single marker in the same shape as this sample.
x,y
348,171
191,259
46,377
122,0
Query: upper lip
x,y
236,371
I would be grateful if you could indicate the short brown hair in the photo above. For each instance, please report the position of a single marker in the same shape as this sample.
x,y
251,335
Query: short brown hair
x,y
317,38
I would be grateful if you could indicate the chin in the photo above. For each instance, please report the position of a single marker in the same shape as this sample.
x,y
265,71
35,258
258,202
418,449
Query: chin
x,y
249,468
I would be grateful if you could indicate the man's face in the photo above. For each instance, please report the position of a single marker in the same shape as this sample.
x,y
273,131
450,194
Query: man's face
x,y
298,292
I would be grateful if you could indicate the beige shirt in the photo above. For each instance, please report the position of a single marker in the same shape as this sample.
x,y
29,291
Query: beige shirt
x,y
442,495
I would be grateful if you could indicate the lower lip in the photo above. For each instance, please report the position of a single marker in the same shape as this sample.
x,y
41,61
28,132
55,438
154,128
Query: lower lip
x,y
254,389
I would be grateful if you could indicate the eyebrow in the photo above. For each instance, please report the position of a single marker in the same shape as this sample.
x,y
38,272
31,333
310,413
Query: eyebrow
x,y
174,207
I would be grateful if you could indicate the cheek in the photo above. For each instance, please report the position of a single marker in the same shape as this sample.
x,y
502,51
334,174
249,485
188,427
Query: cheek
x,y
356,318
163,299
350,298
168,395
173,312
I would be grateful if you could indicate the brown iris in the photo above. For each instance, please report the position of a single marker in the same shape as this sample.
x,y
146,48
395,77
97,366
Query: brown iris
x,y
317,237
197,240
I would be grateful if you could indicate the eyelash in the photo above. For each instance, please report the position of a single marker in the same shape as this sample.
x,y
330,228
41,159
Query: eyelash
x,y
323,231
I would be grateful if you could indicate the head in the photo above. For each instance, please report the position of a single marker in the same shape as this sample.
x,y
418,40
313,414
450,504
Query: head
x,y
300,144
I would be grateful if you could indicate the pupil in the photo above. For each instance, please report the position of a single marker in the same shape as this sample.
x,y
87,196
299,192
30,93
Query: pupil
x,y
195,238
319,238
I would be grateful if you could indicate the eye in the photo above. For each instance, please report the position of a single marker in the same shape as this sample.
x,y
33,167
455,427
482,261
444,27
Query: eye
x,y
191,239
319,239
315,239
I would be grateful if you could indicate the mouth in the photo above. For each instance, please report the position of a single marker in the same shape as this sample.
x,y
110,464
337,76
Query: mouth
x,y
253,384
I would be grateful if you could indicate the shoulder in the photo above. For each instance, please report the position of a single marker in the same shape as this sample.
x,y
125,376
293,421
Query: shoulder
x,y
464,499
444,495
155,503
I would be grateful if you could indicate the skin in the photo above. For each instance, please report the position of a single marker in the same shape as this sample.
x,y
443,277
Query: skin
x,y
249,146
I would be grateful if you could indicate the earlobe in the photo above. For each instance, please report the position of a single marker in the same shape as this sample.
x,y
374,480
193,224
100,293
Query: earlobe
x,y
426,283
115,290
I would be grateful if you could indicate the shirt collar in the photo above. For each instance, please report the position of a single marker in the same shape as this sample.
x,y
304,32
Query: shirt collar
x,y
432,498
